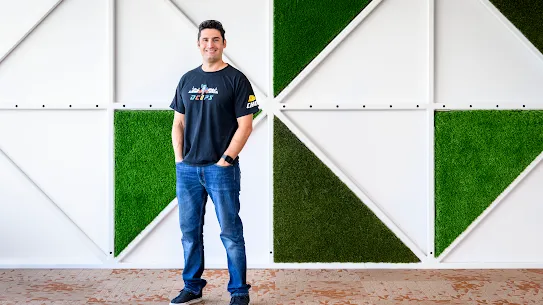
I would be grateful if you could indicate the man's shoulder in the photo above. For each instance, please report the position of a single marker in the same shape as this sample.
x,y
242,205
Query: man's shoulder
x,y
234,71
188,75
191,72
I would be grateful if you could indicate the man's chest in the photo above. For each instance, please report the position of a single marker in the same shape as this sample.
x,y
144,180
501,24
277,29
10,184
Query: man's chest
x,y
212,94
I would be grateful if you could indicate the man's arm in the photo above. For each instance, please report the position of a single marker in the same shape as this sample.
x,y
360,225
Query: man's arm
x,y
245,127
178,129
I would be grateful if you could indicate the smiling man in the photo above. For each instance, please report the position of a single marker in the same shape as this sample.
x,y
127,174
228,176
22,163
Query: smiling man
x,y
214,106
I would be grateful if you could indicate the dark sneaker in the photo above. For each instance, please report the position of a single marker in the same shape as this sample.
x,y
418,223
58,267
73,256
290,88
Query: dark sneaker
x,y
186,297
239,300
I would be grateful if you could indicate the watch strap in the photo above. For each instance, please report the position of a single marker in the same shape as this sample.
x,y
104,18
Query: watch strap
x,y
228,159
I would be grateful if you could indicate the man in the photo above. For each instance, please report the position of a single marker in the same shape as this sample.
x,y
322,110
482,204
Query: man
x,y
214,106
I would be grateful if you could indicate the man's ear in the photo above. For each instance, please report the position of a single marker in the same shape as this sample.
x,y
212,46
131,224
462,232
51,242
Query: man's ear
x,y
224,41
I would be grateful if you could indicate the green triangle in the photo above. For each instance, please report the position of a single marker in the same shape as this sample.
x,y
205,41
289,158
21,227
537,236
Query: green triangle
x,y
478,154
527,16
317,218
144,171
302,29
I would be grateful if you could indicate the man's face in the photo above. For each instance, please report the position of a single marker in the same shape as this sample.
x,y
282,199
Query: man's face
x,y
211,45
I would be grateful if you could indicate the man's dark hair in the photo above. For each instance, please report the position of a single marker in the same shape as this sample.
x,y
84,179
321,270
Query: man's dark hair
x,y
211,24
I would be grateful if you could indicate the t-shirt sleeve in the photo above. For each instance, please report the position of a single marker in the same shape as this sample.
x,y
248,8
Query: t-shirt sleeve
x,y
245,98
177,102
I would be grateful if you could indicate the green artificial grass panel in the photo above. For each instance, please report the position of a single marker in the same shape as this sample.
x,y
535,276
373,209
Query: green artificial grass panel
x,y
527,16
144,171
477,156
302,29
257,113
317,218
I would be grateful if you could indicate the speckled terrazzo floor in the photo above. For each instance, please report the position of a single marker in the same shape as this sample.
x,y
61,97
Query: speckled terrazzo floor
x,y
69,286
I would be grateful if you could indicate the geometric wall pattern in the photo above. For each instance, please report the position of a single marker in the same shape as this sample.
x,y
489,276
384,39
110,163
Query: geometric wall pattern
x,y
478,154
379,168
527,17
317,218
520,212
144,176
361,100
302,30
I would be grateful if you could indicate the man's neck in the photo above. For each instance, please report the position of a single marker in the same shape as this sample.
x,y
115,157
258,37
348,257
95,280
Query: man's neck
x,y
214,66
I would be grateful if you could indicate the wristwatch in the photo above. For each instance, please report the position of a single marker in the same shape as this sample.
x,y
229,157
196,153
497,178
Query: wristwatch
x,y
228,159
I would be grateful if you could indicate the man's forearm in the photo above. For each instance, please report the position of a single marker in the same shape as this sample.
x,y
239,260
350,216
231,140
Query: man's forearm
x,y
177,141
238,141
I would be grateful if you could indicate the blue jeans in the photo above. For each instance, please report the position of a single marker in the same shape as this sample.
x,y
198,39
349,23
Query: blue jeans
x,y
222,184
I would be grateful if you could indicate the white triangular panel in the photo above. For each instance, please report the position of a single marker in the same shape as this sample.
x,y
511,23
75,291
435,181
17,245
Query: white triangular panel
x,y
63,61
511,233
384,59
384,153
163,245
21,16
65,154
478,59
155,47
246,26
32,230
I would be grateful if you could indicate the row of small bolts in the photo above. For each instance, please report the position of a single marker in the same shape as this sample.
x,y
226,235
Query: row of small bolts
x,y
284,106
43,106
364,106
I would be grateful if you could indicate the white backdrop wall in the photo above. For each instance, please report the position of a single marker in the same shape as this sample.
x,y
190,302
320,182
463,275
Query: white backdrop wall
x,y
365,105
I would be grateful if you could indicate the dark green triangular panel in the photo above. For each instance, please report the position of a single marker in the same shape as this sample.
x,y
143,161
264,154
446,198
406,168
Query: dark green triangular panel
x,y
302,29
527,16
317,218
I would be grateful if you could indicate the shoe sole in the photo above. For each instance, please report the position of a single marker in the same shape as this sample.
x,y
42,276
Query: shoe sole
x,y
189,302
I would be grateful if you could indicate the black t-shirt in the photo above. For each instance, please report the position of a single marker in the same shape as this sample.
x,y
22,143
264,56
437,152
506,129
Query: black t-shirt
x,y
211,103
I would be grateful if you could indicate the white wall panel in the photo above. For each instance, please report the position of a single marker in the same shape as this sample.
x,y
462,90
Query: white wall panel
x,y
384,152
155,47
384,60
145,46
512,232
163,244
478,59
21,16
246,25
32,230
63,61
65,153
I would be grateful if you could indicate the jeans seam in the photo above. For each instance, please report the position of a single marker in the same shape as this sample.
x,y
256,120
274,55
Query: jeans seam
x,y
201,225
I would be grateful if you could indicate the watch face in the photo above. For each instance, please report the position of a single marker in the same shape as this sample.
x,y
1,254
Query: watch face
x,y
228,159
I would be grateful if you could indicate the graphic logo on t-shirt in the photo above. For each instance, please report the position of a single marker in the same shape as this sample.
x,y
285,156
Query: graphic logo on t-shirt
x,y
203,93
252,101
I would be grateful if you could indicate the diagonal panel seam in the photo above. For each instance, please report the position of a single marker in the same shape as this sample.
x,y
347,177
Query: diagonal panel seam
x,y
91,243
30,31
327,50
512,28
491,208
357,190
